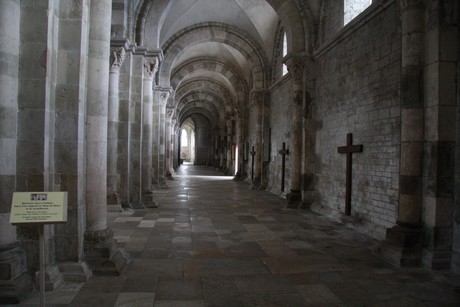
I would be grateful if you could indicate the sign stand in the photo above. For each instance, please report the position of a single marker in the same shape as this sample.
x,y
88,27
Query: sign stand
x,y
41,231
39,208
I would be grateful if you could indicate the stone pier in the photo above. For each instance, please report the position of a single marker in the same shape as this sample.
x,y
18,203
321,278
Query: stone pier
x,y
403,244
295,64
15,282
117,56
101,252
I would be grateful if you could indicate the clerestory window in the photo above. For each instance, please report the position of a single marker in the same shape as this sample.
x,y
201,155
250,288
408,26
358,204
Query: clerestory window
x,y
352,8
285,51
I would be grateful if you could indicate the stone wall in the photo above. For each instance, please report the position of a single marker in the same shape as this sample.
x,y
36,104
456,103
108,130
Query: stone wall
x,y
358,92
251,137
280,105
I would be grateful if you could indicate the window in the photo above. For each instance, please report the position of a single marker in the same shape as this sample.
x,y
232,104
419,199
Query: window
x,y
352,8
285,70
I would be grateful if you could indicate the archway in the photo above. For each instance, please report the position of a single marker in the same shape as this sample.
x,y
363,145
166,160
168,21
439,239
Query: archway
x,y
187,142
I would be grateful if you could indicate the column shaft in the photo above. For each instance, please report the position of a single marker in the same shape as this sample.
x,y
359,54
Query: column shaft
x,y
97,112
101,252
15,281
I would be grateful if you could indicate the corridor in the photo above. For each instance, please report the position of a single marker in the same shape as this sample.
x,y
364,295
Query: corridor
x,y
215,242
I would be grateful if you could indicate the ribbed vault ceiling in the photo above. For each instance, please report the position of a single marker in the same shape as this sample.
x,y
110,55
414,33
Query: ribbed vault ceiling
x,y
217,47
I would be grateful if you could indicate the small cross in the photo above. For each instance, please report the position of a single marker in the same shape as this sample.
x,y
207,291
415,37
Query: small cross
x,y
253,153
283,152
349,150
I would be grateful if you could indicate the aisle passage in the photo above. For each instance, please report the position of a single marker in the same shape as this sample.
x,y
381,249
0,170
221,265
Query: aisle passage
x,y
214,242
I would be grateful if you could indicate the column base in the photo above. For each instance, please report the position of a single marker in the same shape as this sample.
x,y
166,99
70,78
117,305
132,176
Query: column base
x,y
437,260
294,199
238,177
113,203
255,184
102,254
455,264
402,246
75,271
147,200
53,278
15,282
169,176
162,185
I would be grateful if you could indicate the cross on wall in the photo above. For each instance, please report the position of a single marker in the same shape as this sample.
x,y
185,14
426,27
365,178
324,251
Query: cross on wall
x,y
349,149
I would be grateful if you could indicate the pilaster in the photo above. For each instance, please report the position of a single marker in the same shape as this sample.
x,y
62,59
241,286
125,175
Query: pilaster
x,y
403,244
296,65
256,101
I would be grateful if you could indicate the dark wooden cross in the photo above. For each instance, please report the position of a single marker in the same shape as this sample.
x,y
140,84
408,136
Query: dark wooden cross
x,y
283,152
349,150
253,153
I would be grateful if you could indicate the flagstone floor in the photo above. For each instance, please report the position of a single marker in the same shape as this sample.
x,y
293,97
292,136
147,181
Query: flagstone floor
x,y
214,242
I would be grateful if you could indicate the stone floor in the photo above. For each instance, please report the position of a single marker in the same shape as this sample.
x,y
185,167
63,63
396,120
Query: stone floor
x,y
214,242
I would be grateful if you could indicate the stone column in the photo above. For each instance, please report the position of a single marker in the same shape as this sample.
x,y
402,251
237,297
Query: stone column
x,y
257,100
456,212
99,242
229,166
439,147
162,139
222,148
15,283
296,64
164,95
150,69
117,56
135,129
239,152
169,144
404,241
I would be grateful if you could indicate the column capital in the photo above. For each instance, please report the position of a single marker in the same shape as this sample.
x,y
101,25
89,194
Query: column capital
x,y
165,93
117,54
151,64
170,112
295,63
256,97
405,4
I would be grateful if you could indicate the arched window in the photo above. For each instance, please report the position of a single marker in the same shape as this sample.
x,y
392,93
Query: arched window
x,y
285,51
352,8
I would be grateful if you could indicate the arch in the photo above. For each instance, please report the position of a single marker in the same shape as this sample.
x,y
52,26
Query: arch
x,y
238,88
206,84
300,31
215,32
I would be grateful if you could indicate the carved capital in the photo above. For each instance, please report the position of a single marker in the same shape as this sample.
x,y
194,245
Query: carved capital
x,y
256,97
169,112
150,66
404,4
98,236
295,66
117,56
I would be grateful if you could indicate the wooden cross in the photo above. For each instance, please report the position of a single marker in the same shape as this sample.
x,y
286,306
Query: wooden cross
x,y
283,152
253,153
349,150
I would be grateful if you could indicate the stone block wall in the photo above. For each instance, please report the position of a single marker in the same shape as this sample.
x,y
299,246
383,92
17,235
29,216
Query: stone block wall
x,y
357,91
280,119
251,133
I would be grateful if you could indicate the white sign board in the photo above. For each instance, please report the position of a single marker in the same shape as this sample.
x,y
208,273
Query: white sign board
x,y
39,207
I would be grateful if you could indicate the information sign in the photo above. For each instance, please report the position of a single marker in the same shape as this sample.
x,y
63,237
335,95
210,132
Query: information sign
x,y
39,207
